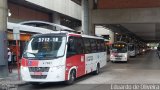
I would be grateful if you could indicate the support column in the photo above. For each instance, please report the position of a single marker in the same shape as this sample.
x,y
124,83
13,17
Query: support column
x,y
85,17
87,25
91,24
3,39
56,18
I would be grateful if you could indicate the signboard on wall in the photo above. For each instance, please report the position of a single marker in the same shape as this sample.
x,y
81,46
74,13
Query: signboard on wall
x,y
16,33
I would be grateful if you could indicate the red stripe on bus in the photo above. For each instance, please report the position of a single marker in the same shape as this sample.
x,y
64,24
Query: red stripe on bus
x,y
79,62
23,62
30,63
75,35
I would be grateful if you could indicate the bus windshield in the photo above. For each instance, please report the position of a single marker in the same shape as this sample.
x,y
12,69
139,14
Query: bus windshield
x,y
119,48
131,47
46,47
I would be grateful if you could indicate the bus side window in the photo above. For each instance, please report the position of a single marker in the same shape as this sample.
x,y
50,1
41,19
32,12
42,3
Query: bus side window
x,y
93,46
80,45
87,45
102,46
71,50
98,45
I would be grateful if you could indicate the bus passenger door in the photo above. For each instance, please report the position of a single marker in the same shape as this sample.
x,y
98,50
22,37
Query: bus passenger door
x,y
75,55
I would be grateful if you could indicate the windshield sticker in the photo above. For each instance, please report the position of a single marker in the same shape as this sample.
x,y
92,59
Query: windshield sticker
x,y
32,51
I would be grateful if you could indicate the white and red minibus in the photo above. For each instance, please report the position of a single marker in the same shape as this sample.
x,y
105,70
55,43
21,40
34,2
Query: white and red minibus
x,y
119,52
57,57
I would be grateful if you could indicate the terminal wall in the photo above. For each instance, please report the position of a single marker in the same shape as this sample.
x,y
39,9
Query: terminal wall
x,y
66,7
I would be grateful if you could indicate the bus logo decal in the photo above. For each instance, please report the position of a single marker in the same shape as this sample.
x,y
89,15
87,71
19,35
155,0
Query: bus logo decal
x,y
29,63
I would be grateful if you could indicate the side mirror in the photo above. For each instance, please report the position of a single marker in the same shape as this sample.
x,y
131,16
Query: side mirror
x,y
158,48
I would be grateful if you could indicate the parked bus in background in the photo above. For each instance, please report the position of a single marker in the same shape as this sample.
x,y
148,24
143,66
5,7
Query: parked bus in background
x,y
119,51
132,50
62,56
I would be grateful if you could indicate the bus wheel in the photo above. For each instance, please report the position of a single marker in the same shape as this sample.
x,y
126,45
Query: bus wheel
x,y
112,61
72,78
97,70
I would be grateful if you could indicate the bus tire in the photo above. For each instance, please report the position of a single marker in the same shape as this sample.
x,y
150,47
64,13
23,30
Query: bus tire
x,y
97,70
113,61
72,78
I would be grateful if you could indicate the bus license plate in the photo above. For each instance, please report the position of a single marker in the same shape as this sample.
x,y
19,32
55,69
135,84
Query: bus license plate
x,y
118,58
37,73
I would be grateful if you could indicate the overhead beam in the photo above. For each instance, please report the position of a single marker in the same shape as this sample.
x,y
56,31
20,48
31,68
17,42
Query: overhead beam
x,y
122,16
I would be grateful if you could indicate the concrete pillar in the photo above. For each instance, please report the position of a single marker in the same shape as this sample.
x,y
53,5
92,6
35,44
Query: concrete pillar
x,y
85,17
91,24
87,25
56,18
3,38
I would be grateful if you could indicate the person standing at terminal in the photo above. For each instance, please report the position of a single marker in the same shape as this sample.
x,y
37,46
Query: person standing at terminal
x,y
9,61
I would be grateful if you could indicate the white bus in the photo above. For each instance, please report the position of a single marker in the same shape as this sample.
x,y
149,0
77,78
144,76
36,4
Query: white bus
x,y
26,28
59,57
132,50
119,51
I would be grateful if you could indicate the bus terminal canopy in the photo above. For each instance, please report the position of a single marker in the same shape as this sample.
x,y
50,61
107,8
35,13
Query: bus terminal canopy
x,y
25,28
47,25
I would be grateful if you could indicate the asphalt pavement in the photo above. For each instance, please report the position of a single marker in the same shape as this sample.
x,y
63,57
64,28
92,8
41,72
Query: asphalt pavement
x,y
137,73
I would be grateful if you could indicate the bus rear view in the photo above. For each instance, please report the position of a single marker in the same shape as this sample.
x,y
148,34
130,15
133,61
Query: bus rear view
x,y
119,52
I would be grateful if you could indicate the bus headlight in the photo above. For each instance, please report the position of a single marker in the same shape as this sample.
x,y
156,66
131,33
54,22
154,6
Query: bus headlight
x,y
112,56
144,50
24,68
125,55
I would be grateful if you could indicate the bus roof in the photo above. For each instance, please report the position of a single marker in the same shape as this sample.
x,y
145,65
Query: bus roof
x,y
38,30
49,24
26,28
68,34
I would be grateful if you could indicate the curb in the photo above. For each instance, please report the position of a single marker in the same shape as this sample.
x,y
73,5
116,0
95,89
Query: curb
x,y
17,84
23,84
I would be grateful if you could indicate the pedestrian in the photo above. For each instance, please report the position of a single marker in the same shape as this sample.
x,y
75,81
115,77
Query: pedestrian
x,y
9,61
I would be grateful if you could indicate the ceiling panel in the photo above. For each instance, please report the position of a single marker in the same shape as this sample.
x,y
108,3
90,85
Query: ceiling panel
x,y
144,31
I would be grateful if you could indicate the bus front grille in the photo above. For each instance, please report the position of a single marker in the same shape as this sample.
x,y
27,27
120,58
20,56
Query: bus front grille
x,y
38,76
38,69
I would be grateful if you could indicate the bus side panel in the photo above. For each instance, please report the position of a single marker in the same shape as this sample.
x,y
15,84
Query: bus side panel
x,y
93,59
89,59
103,59
77,61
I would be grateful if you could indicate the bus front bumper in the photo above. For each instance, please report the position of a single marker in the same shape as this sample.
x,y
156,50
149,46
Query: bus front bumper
x,y
53,75
118,59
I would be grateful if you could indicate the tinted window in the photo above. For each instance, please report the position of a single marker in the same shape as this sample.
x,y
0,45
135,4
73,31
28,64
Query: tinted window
x,y
93,45
119,48
75,46
71,50
79,45
131,47
87,45
103,46
98,45
45,47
